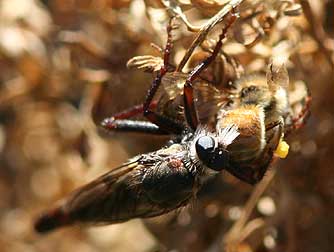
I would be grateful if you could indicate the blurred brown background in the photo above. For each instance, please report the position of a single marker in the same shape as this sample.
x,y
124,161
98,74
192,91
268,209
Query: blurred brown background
x,y
59,59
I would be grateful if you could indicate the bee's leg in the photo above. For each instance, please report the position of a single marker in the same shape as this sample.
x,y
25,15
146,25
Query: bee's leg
x,y
189,106
272,125
299,120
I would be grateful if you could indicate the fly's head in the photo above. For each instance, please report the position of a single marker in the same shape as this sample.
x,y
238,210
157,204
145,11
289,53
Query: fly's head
x,y
211,148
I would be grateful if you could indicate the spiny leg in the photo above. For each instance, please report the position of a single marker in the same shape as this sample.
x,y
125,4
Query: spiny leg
x,y
158,124
164,123
272,125
189,105
131,112
133,126
157,81
299,120
119,122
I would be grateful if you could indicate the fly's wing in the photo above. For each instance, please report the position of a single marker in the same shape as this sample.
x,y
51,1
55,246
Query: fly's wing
x,y
208,99
170,101
150,185
173,83
98,201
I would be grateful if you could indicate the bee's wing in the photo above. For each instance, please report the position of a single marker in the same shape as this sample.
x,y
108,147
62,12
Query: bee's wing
x,y
102,200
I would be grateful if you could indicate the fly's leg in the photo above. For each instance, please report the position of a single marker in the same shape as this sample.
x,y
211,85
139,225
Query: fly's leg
x,y
133,126
119,122
189,105
158,124
131,112
164,123
157,81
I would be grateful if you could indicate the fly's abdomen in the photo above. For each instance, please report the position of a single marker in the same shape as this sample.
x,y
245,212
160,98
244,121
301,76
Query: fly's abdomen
x,y
170,184
148,187
51,220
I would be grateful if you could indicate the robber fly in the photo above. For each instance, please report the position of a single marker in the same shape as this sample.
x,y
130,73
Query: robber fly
x,y
240,138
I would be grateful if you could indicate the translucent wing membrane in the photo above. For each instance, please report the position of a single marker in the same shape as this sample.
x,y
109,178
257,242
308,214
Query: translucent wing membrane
x,y
149,185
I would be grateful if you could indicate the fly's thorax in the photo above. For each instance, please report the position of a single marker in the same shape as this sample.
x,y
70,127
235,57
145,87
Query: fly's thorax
x,y
178,156
172,150
249,121
172,179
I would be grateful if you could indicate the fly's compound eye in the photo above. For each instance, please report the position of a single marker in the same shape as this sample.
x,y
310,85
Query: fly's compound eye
x,y
205,145
212,157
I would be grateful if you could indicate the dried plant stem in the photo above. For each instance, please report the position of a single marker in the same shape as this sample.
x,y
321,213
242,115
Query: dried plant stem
x,y
206,28
242,227
174,7
86,43
318,33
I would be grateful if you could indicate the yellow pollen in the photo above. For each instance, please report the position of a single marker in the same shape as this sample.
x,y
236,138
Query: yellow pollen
x,y
282,149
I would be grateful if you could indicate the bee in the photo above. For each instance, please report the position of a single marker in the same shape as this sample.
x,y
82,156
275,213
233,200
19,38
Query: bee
x,y
239,133
263,108
259,108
